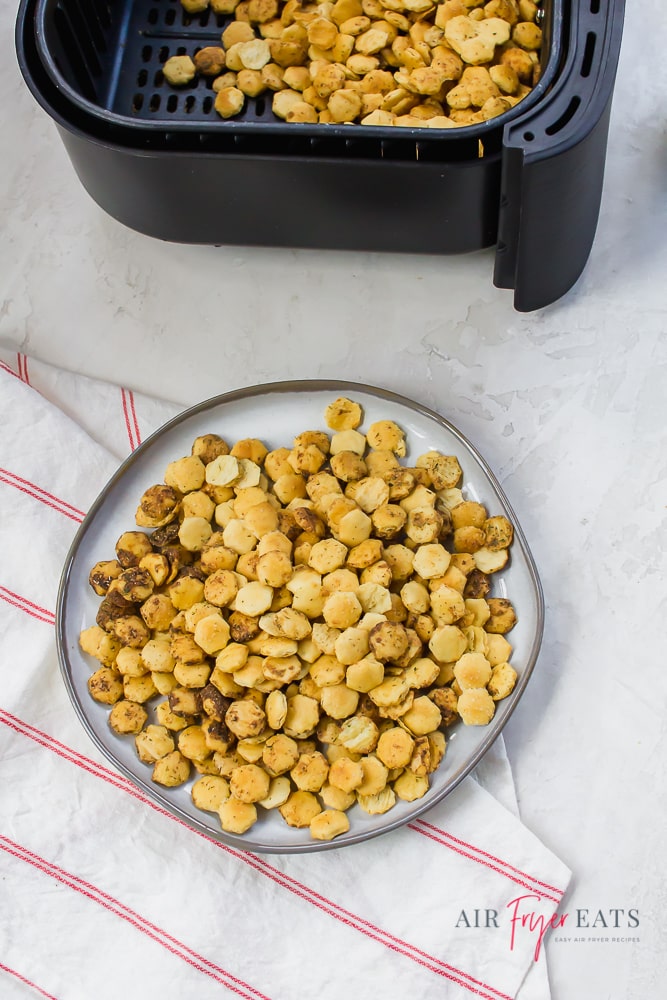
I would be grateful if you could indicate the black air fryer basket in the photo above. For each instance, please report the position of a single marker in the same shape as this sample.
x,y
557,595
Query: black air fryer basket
x,y
161,161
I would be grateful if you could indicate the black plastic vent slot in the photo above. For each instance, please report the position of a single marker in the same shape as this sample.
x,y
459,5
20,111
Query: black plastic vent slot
x,y
566,117
589,54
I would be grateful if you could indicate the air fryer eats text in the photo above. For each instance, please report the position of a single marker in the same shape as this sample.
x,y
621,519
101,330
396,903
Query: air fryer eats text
x,y
300,626
409,63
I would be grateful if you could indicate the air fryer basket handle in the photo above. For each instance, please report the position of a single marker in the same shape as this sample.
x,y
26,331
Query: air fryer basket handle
x,y
553,164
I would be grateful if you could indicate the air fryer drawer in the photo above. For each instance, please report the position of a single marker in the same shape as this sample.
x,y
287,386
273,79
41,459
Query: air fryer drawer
x,y
161,161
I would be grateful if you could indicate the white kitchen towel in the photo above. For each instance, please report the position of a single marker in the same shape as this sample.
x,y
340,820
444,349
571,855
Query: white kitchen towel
x,y
103,894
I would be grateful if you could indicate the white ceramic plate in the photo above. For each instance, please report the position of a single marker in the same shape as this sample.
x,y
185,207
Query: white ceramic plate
x,y
275,413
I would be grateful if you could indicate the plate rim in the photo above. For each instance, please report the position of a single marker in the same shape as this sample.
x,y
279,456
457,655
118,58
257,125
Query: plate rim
x,y
155,793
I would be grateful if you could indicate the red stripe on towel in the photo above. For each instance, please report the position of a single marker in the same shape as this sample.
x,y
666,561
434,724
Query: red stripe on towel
x,y
472,857
493,858
135,422
37,493
27,982
10,371
130,415
23,604
142,924
22,365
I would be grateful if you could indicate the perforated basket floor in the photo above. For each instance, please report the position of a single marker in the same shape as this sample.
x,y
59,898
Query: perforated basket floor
x,y
114,52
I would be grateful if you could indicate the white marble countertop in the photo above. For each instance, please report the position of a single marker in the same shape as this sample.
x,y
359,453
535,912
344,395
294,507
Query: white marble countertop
x,y
567,404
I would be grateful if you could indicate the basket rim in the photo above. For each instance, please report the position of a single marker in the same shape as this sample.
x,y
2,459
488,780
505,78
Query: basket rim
x,y
216,125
